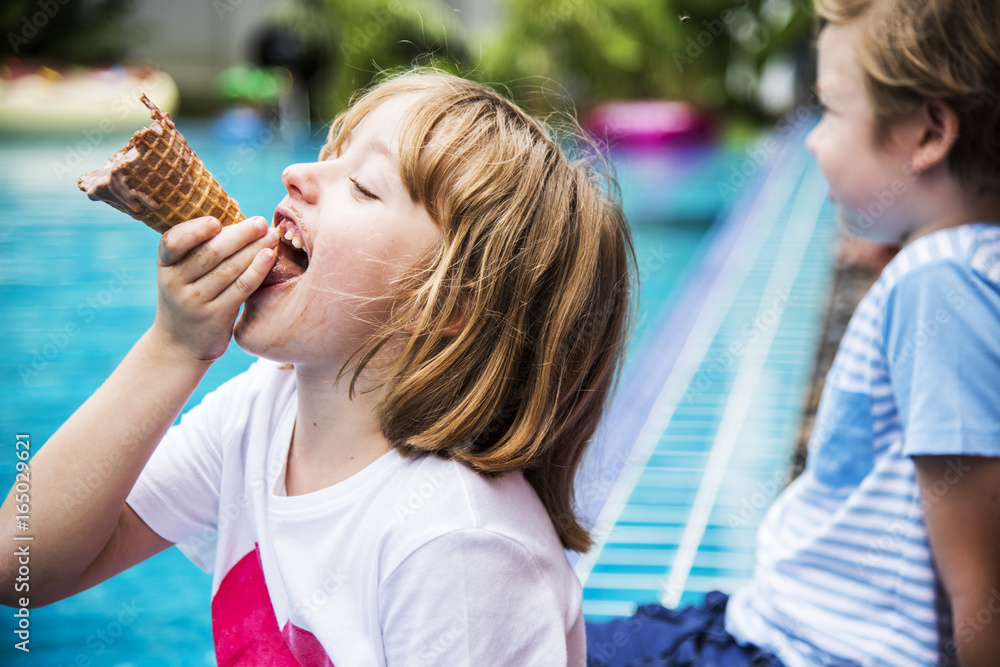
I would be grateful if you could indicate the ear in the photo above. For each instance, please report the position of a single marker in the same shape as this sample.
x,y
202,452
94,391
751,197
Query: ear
x,y
938,128
458,319
461,316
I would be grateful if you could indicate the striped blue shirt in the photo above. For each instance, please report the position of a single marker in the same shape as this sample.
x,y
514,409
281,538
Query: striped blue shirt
x,y
844,573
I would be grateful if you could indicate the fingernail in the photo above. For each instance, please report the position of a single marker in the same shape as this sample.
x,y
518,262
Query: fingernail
x,y
259,223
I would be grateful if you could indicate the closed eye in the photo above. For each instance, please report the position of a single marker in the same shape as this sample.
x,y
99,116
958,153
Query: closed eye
x,y
365,192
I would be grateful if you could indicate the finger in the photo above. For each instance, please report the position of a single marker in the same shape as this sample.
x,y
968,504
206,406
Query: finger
x,y
252,278
178,241
219,279
211,254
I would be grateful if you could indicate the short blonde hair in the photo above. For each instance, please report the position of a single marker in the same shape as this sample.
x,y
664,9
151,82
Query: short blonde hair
x,y
912,51
522,312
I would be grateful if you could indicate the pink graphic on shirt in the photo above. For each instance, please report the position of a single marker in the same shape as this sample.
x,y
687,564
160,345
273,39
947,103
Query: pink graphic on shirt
x,y
245,627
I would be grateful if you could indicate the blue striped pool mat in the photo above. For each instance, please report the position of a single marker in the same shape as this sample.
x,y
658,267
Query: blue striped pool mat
x,y
700,437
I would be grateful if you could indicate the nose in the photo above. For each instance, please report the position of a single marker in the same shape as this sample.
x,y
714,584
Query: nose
x,y
811,140
300,181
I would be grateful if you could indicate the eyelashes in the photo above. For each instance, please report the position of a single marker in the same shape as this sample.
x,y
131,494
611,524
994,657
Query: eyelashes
x,y
365,192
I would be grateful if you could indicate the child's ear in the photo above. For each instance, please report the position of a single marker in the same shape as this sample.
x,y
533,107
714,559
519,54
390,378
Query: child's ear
x,y
458,319
461,315
938,133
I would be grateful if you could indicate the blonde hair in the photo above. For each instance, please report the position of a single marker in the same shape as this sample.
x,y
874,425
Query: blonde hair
x,y
912,51
521,313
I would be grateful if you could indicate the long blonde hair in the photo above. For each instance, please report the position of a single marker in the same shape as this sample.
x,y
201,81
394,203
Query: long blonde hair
x,y
515,327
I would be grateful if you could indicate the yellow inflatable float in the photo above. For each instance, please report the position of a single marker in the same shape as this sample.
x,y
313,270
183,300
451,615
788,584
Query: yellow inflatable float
x,y
40,99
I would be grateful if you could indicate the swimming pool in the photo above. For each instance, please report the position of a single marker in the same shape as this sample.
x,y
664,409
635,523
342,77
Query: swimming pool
x,y
704,432
77,286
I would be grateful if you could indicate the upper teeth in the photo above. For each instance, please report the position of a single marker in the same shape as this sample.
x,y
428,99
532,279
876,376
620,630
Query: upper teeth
x,y
288,232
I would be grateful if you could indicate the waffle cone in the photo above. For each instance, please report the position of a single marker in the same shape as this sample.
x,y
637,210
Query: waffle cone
x,y
159,180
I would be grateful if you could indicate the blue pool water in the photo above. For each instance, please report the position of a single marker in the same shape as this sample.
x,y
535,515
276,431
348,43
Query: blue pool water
x,y
703,435
77,288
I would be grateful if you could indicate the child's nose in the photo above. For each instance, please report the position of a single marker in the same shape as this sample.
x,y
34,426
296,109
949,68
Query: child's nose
x,y
300,182
811,139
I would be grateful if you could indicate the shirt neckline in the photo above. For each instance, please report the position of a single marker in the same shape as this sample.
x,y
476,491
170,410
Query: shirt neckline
x,y
339,493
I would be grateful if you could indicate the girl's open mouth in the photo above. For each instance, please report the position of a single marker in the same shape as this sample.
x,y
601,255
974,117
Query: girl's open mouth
x,y
293,259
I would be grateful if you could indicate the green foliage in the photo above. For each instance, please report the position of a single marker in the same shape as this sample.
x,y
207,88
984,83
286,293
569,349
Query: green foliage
x,y
365,37
708,51
555,54
71,31
590,49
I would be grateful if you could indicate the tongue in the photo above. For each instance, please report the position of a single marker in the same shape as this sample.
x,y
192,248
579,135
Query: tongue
x,y
283,269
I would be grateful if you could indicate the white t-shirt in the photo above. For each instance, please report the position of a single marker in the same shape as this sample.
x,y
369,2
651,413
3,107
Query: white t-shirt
x,y
411,561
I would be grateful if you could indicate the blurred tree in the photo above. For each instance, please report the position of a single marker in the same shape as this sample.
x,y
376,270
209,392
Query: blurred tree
x,y
712,52
552,55
364,37
70,31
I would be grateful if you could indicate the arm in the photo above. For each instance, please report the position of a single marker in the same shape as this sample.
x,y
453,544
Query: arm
x,y
944,357
80,538
961,498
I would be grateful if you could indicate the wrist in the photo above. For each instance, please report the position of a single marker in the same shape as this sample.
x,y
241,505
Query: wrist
x,y
161,350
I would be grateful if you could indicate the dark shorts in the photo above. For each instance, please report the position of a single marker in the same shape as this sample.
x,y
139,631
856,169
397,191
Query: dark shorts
x,y
660,637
